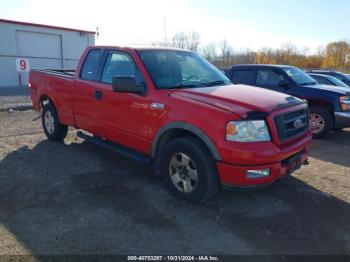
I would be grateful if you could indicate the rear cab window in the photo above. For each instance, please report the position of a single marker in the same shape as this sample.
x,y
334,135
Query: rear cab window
x,y
91,65
243,76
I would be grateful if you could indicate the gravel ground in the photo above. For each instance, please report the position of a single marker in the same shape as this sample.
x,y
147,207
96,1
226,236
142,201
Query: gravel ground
x,y
15,103
77,198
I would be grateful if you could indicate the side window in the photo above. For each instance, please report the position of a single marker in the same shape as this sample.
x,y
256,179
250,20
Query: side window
x,y
90,66
268,78
340,77
242,76
120,64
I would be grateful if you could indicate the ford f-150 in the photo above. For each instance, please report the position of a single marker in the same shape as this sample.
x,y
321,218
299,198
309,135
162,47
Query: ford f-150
x,y
173,109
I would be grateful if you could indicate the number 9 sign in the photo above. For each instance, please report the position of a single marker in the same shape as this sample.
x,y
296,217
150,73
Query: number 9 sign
x,y
22,64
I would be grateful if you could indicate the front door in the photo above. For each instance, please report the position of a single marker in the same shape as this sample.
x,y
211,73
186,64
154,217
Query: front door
x,y
124,117
271,79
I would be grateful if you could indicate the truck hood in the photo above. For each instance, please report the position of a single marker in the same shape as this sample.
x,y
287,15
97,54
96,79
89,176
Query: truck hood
x,y
335,89
239,99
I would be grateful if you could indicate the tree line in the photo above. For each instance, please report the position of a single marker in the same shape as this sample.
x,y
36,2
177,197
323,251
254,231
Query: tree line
x,y
334,56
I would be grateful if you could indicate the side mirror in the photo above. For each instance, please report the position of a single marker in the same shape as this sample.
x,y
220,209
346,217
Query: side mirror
x,y
126,84
283,83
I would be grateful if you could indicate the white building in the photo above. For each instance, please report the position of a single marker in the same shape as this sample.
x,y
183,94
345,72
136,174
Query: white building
x,y
25,46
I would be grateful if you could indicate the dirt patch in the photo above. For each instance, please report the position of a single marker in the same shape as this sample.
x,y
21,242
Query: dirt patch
x,y
76,198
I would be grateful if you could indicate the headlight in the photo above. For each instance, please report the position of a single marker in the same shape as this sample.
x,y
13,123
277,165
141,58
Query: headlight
x,y
345,103
247,131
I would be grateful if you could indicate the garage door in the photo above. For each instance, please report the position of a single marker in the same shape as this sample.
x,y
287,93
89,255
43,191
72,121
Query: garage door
x,y
43,50
38,44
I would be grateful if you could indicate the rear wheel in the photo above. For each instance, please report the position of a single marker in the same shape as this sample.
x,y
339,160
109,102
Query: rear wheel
x,y
321,121
53,129
189,170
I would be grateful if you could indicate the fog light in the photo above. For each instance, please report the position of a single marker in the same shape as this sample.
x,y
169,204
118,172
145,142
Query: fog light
x,y
251,174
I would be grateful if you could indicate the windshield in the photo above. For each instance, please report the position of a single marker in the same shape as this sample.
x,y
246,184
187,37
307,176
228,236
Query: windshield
x,y
347,77
337,82
299,76
181,69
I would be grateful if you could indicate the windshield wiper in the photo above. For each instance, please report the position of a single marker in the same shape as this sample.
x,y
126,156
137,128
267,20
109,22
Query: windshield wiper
x,y
186,85
199,84
217,82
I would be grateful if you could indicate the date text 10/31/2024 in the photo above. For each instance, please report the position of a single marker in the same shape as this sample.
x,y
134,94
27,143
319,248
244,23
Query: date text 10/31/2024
x,y
173,258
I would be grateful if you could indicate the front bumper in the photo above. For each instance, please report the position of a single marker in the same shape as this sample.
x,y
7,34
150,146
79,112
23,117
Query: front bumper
x,y
258,158
342,119
235,176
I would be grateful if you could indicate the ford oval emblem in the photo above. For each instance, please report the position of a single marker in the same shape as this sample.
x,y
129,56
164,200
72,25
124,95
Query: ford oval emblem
x,y
298,123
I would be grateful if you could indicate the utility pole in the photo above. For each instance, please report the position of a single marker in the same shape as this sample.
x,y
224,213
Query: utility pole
x,y
97,32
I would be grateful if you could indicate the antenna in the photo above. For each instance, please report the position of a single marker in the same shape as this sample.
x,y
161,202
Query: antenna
x,y
165,30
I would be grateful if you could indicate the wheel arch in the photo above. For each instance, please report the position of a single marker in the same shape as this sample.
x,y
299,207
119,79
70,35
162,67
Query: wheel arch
x,y
44,99
325,105
180,129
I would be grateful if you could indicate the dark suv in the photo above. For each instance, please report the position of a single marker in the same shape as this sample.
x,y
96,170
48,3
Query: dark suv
x,y
339,75
329,105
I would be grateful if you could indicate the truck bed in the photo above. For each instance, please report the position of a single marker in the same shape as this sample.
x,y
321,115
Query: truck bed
x,y
58,72
57,84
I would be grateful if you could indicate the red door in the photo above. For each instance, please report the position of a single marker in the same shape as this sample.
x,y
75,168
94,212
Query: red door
x,y
85,98
123,117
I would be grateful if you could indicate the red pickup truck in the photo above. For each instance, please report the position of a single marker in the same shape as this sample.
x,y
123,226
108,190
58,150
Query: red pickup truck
x,y
175,110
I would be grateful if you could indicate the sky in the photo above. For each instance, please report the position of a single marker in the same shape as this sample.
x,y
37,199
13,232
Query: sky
x,y
244,24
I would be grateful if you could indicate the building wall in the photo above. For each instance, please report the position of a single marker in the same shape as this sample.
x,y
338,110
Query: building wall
x,y
43,47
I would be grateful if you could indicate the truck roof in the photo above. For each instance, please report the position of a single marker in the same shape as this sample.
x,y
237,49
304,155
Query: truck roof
x,y
261,65
139,48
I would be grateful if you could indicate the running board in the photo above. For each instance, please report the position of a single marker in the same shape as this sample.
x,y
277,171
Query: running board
x,y
116,148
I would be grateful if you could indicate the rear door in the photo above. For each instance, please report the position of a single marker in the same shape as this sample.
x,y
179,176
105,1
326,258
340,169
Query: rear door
x,y
86,96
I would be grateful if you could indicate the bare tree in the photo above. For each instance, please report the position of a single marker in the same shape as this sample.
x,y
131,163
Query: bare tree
x,y
193,43
226,53
245,56
189,41
209,52
180,40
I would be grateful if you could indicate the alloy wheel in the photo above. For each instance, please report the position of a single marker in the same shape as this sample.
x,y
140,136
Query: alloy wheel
x,y
183,173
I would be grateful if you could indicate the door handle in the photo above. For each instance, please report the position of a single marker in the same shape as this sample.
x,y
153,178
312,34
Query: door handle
x,y
98,95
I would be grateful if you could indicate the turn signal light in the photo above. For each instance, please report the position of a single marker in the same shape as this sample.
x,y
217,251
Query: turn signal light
x,y
231,129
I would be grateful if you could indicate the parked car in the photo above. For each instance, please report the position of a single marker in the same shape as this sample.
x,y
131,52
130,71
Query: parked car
x,y
173,109
329,105
328,80
339,75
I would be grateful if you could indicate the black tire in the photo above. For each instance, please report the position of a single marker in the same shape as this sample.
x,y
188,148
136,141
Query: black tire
x,y
327,120
58,131
207,183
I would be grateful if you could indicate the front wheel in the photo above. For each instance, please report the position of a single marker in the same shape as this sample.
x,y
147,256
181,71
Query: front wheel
x,y
53,129
189,170
321,121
